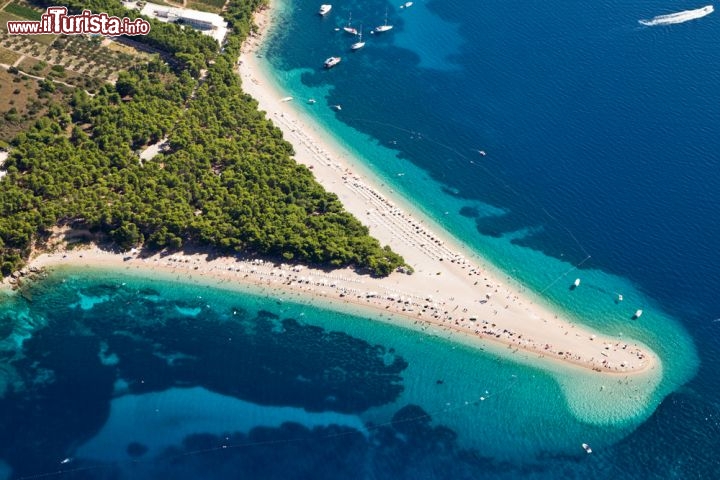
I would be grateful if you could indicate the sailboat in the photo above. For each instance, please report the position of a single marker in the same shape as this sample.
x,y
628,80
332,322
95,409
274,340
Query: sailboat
x,y
348,28
359,44
385,27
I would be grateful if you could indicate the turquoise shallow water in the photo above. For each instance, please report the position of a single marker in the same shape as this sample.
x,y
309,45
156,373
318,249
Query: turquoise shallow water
x,y
425,146
601,164
601,161
127,376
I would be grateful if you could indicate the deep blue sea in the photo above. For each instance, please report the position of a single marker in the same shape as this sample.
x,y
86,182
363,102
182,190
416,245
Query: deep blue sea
x,y
601,157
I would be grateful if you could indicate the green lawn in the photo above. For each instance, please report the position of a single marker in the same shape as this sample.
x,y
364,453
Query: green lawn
x,y
214,3
23,11
212,6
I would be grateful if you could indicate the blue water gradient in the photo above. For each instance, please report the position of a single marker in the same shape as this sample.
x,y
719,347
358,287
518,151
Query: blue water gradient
x,y
254,386
601,138
601,141
124,385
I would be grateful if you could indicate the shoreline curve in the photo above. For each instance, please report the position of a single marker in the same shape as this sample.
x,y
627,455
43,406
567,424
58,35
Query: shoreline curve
x,y
447,290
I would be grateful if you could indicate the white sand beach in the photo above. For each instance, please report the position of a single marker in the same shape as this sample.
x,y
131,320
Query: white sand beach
x,y
448,307
449,291
443,275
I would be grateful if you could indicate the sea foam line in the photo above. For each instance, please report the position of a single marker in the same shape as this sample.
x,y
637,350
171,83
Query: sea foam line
x,y
679,17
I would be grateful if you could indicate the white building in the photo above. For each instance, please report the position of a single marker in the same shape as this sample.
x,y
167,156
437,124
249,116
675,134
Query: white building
x,y
208,23
3,157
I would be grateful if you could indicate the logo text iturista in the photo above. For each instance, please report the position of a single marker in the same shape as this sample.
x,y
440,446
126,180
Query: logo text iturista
x,y
57,21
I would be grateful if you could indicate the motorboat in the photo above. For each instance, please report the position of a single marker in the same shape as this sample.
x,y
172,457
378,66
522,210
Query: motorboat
x,y
637,314
587,448
576,283
332,61
679,17
325,9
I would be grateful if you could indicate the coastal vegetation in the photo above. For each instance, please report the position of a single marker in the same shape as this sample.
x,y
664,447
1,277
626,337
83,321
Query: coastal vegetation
x,y
223,177
23,100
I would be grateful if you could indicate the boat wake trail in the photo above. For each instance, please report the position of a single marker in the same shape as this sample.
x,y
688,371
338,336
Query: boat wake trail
x,y
679,17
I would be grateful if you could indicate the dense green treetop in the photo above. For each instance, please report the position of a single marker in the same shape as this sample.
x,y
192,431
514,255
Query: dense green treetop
x,y
226,179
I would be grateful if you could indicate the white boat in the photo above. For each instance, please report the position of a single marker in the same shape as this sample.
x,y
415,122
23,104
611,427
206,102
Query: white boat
x,y
312,101
359,44
325,9
286,99
332,61
587,448
678,17
348,28
620,297
406,5
576,283
637,315
384,27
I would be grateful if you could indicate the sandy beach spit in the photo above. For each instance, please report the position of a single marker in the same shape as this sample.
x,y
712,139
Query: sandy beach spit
x,y
448,294
401,299
478,299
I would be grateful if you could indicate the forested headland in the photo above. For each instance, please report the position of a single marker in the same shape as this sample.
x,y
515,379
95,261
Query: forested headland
x,y
226,181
